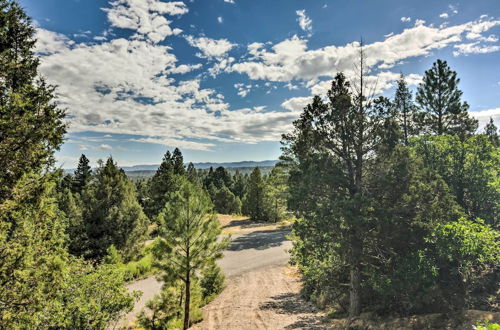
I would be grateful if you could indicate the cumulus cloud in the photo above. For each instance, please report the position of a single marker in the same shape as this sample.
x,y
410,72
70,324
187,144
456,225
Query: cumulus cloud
x,y
146,17
405,19
134,85
291,59
444,15
305,22
484,116
105,147
230,1
474,48
220,19
49,42
211,48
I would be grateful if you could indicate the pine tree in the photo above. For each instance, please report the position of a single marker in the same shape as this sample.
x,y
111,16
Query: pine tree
x,y
165,180
491,132
82,174
192,174
112,215
239,185
405,107
31,124
178,162
439,99
226,202
331,149
188,241
254,202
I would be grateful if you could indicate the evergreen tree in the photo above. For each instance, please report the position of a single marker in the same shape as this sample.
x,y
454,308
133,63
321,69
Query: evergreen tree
x,y
36,272
406,109
188,239
277,192
439,99
343,134
82,174
254,202
165,180
226,202
31,124
491,132
112,214
178,162
239,185
192,174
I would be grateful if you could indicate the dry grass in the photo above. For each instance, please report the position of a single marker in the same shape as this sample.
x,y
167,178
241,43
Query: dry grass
x,y
237,224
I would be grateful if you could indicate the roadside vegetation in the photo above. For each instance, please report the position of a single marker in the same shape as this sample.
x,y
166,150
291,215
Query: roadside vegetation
x,y
397,199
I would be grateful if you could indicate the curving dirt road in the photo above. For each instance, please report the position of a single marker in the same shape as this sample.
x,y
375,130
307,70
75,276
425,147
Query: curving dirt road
x,y
261,292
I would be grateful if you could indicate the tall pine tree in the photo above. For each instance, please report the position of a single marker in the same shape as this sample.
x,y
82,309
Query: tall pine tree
x,y
439,99
31,124
406,109
82,175
188,239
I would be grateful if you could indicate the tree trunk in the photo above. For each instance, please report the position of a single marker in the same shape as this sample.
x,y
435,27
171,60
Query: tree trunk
x,y
187,301
355,277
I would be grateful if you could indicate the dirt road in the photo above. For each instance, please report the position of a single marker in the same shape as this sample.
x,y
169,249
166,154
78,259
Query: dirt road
x,y
261,292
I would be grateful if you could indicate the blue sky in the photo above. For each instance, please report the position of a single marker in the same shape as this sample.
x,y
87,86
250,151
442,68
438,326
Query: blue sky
x,y
223,79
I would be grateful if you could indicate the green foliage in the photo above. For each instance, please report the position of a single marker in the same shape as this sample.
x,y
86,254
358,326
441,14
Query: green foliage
x,y
26,103
486,325
219,178
188,239
32,257
255,204
439,99
491,132
212,282
162,311
389,223
226,202
94,297
112,215
277,193
470,168
83,175
166,180
403,102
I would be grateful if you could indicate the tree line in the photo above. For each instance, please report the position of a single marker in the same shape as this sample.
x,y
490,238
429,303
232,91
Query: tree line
x,y
396,199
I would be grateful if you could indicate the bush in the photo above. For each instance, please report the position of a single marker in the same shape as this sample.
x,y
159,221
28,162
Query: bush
x,y
212,282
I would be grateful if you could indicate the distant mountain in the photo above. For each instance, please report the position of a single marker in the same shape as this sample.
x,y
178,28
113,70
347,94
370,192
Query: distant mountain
x,y
206,165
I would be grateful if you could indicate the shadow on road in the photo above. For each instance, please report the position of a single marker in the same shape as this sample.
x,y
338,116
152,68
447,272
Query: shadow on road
x,y
247,223
259,240
292,303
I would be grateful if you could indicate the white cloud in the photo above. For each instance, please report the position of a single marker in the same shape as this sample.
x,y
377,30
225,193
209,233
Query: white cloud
x,y
105,147
444,15
132,86
474,48
291,59
146,17
230,1
305,22
211,47
49,42
405,19
183,144
220,19
484,116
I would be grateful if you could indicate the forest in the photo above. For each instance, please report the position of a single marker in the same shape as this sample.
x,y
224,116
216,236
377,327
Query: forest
x,y
394,203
